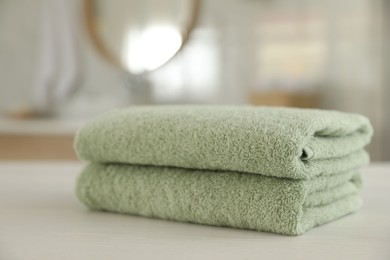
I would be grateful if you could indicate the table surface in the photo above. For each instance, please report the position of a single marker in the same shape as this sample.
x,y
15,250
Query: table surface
x,y
40,218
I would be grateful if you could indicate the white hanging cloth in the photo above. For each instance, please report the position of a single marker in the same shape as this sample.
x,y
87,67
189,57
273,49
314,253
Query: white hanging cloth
x,y
58,69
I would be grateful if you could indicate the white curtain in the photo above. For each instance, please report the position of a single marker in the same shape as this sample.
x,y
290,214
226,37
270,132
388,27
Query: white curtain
x,y
58,69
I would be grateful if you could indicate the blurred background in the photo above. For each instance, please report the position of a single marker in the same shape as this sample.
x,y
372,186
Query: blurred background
x,y
65,61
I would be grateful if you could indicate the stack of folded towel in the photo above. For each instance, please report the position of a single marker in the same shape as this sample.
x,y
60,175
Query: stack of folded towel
x,y
279,170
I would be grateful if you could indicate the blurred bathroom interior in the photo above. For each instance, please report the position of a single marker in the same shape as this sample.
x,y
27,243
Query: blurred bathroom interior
x,y
65,61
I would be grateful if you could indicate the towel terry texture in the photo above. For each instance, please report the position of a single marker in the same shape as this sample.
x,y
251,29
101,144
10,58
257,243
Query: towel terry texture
x,y
280,170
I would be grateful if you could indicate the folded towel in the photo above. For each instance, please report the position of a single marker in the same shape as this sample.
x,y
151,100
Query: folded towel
x,y
271,169
283,142
240,200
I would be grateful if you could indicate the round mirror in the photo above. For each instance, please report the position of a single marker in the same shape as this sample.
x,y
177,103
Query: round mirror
x,y
140,36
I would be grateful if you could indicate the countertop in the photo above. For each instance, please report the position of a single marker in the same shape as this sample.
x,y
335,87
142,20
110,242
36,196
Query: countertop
x,y
40,126
40,218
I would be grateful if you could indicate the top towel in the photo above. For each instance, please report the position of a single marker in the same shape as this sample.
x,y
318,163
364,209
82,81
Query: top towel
x,y
282,142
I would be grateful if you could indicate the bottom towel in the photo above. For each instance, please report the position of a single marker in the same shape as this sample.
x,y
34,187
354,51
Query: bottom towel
x,y
240,200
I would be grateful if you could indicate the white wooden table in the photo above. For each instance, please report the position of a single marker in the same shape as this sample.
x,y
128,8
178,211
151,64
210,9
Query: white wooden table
x,y
40,218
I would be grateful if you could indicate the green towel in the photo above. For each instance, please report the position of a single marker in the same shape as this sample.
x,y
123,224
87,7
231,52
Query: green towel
x,y
240,200
283,142
271,169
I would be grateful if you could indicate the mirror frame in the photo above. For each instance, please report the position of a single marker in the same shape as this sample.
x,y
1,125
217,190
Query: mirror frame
x,y
94,34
